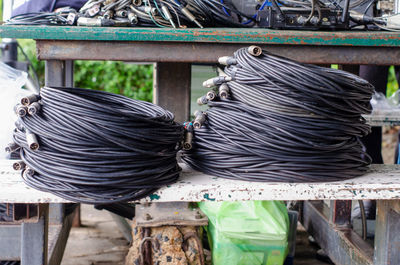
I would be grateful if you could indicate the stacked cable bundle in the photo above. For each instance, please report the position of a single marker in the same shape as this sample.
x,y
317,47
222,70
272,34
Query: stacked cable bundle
x,y
279,120
95,147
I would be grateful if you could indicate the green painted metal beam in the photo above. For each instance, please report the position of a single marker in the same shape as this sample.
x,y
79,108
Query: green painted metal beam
x,y
213,35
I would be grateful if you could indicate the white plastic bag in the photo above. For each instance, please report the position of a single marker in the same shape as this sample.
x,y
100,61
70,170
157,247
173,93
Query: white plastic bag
x,y
11,82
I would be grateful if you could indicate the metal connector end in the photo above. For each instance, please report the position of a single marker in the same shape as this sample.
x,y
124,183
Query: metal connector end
x,y
133,18
187,144
216,81
34,108
109,14
28,172
190,16
72,18
255,50
199,120
121,13
211,95
223,91
21,110
202,100
227,60
12,147
137,2
29,99
19,165
32,141
168,16
93,11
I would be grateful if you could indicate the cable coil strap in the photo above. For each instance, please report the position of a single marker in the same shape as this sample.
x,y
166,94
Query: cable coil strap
x,y
280,120
96,147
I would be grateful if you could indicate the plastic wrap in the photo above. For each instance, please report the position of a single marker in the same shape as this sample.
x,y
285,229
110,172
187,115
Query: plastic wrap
x,y
11,82
247,233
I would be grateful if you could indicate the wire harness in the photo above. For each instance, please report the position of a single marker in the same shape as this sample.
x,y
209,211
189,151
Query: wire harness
x,y
280,120
96,147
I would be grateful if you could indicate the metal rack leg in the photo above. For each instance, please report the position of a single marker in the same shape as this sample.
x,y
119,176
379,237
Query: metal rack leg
x,y
387,233
172,82
34,239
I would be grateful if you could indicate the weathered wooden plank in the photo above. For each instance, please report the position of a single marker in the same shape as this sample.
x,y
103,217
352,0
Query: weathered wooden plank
x,y
381,182
219,35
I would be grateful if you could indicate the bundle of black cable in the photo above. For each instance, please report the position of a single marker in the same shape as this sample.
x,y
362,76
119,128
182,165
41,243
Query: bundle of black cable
x,y
96,147
282,121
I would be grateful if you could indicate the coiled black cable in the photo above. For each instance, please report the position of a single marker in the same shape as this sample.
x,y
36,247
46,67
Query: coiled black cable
x,y
98,147
284,121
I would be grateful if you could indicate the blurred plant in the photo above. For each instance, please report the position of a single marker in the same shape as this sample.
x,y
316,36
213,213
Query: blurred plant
x,y
131,80
392,85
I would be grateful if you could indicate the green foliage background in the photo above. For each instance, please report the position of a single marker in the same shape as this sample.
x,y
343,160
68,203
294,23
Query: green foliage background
x,y
132,80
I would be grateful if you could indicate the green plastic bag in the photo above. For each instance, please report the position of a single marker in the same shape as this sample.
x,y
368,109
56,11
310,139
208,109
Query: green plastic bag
x,y
247,233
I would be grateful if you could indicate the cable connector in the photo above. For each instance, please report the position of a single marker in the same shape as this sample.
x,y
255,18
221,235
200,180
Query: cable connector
x,y
21,110
223,91
200,119
211,95
133,18
94,10
34,108
191,17
227,60
121,13
72,18
168,15
109,14
12,147
187,142
19,165
26,101
95,22
32,141
255,50
216,81
202,100
28,172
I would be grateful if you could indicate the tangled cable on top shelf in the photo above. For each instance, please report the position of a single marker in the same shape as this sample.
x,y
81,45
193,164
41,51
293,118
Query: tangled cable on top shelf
x,y
95,147
279,120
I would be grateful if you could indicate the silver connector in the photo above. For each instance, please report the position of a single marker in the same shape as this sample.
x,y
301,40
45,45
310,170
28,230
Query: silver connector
x,y
21,110
227,60
32,141
199,120
223,91
19,165
28,172
211,95
12,147
29,99
137,2
202,100
187,144
191,17
109,14
216,81
255,50
168,16
133,18
121,13
34,108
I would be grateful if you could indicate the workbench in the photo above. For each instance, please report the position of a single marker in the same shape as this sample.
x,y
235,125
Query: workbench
x,y
173,51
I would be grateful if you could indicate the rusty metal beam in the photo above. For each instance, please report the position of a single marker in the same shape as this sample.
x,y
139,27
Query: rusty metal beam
x,y
342,244
188,52
387,233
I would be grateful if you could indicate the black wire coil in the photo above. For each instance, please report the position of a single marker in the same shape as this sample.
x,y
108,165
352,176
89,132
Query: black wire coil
x,y
98,147
284,121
